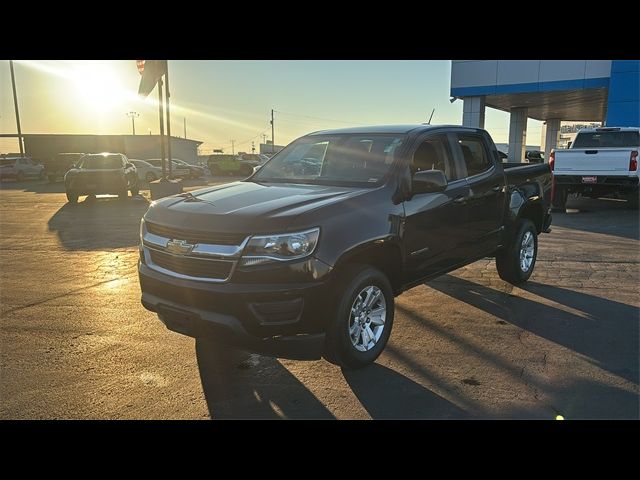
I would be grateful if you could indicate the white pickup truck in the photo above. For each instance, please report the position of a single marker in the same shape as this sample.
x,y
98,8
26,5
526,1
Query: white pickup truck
x,y
601,161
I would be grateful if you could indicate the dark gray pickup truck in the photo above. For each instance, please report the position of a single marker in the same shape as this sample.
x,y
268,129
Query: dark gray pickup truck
x,y
304,257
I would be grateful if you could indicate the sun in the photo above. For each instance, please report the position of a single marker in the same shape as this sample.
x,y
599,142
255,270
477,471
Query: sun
x,y
97,86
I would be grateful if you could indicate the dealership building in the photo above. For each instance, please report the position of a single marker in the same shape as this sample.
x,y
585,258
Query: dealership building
x,y
46,145
552,91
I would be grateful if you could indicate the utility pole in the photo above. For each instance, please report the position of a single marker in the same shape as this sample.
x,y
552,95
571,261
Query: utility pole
x,y
133,116
273,144
160,105
166,91
253,147
264,138
185,126
15,104
232,147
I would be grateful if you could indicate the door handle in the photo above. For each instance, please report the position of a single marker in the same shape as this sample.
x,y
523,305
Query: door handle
x,y
497,188
460,199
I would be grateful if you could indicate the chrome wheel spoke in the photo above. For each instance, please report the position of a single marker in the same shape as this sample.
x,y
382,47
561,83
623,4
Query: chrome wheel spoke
x,y
367,318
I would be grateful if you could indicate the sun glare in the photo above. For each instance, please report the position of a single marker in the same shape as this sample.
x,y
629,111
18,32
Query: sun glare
x,y
98,86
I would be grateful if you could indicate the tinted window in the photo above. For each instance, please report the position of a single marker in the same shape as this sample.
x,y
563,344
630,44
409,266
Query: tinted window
x,y
101,162
362,159
434,154
607,139
474,154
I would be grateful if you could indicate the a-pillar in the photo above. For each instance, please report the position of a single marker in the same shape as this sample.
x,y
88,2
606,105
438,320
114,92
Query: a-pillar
x,y
551,136
517,134
473,112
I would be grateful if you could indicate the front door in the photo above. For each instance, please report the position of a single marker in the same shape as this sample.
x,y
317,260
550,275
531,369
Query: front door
x,y
435,223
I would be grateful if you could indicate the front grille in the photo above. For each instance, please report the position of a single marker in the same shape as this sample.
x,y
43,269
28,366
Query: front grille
x,y
194,236
193,267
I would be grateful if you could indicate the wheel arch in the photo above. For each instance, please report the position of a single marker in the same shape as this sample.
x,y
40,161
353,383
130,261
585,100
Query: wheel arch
x,y
386,256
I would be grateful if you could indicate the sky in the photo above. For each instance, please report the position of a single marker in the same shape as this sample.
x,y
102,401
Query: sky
x,y
232,100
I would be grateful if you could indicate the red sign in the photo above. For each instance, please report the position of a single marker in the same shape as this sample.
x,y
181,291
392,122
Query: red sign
x,y
140,65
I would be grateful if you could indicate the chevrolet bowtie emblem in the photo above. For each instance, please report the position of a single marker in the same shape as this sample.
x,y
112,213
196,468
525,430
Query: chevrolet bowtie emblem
x,y
179,247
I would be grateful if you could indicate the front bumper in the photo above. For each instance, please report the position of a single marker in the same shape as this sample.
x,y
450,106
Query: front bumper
x,y
277,319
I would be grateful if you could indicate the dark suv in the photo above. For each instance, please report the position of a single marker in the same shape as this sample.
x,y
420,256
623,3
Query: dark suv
x,y
101,173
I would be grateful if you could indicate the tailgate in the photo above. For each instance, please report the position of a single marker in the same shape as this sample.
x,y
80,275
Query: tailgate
x,y
614,161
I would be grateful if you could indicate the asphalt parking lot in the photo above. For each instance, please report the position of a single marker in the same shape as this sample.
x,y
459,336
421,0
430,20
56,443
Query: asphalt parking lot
x,y
76,343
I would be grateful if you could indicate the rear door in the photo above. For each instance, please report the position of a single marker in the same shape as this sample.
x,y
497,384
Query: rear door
x,y
435,223
485,202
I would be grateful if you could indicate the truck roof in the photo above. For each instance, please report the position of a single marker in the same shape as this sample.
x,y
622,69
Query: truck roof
x,y
403,128
609,129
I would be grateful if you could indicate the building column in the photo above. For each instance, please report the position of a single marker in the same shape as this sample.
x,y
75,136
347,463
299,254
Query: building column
x,y
517,134
473,112
551,136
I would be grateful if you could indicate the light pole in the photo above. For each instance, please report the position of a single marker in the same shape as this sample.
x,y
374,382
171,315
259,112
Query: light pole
x,y
133,116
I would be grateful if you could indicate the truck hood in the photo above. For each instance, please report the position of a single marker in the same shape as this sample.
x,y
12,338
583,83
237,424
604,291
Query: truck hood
x,y
248,207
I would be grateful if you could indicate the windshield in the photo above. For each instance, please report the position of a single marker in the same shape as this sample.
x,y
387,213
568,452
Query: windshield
x,y
101,162
607,139
333,160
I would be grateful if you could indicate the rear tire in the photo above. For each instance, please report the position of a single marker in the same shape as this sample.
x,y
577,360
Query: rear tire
x,y
515,262
560,198
345,340
72,197
135,190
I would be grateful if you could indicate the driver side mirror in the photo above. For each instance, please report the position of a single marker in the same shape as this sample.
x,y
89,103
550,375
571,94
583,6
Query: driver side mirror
x,y
429,181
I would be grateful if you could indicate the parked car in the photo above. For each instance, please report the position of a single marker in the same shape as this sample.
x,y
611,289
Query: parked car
x,y
221,164
600,161
146,172
101,174
20,168
308,265
195,171
177,170
534,156
56,166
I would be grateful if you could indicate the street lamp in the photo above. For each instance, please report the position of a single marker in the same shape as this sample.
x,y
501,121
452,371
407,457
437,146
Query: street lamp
x,y
133,116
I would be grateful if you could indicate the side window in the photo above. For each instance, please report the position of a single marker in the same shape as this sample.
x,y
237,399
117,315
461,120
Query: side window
x,y
474,154
434,154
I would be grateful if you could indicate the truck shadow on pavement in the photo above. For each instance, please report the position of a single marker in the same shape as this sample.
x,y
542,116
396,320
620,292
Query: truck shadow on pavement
x,y
606,331
99,223
238,385
387,394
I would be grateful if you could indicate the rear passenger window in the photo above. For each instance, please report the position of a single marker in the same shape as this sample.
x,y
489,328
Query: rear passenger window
x,y
433,154
474,154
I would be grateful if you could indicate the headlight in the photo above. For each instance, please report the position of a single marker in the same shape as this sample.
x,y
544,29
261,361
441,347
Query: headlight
x,y
278,248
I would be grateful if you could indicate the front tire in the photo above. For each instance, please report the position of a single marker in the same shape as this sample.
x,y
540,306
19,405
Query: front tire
x,y
363,319
135,190
515,262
